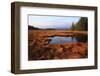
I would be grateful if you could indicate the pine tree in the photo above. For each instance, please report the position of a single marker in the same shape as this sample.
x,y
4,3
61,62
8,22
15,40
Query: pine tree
x,y
82,25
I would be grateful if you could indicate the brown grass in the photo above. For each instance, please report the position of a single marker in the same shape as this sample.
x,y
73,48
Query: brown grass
x,y
40,49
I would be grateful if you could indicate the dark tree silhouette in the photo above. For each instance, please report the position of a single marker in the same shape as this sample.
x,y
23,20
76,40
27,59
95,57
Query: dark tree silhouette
x,y
82,25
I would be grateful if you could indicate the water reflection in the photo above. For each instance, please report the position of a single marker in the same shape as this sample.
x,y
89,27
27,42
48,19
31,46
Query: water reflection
x,y
62,40
82,38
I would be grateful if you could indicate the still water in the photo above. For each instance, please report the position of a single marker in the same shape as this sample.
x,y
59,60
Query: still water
x,y
62,40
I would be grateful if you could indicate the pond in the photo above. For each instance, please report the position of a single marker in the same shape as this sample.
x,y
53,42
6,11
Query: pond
x,y
62,40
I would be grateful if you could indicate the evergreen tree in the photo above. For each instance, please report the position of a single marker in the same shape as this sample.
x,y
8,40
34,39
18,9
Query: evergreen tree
x,y
82,25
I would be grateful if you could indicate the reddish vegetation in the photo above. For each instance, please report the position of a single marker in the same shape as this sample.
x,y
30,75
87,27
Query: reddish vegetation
x,y
40,49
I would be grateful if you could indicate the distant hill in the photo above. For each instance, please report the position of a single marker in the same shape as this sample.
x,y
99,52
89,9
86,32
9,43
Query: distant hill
x,y
55,29
32,28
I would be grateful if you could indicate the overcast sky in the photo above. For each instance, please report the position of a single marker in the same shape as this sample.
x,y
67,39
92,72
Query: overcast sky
x,y
56,22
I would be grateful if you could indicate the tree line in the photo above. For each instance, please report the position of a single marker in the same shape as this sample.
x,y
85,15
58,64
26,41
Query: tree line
x,y
81,25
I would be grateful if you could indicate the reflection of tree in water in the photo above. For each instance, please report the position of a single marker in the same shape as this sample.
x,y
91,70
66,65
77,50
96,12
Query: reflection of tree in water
x,y
82,38
72,38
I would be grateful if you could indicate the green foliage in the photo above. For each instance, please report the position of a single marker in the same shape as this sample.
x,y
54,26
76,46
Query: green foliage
x,y
81,25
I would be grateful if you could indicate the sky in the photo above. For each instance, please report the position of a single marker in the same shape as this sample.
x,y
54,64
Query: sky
x,y
56,22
